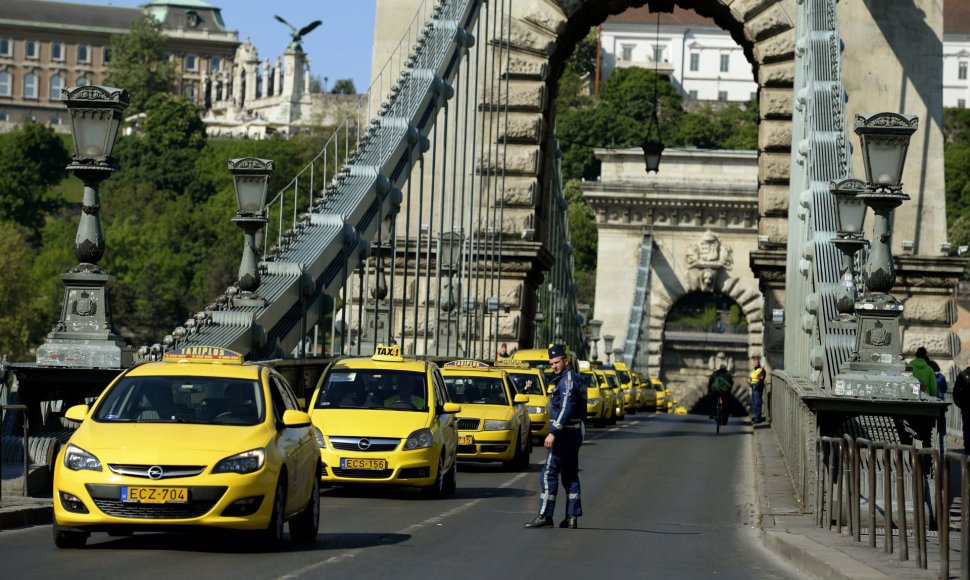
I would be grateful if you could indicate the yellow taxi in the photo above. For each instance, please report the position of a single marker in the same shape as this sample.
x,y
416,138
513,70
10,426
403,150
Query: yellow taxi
x,y
538,358
600,407
649,394
618,392
629,389
664,399
644,391
493,424
531,382
386,420
198,439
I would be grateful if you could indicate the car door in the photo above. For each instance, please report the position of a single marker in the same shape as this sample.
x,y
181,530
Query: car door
x,y
520,415
296,444
444,422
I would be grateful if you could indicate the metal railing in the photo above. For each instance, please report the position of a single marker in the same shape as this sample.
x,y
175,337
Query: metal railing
x,y
794,424
907,492
26,442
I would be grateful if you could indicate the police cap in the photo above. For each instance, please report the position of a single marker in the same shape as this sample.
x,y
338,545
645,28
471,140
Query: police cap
x,y
556,351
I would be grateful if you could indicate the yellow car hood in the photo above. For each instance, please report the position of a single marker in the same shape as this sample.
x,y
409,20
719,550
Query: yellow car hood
x,y
166,443
368,422
480,411
538,401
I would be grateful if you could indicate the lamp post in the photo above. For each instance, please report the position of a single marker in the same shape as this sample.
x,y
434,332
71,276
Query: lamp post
x,y
83,336
850,214
608,347
594,330
450,252
250,177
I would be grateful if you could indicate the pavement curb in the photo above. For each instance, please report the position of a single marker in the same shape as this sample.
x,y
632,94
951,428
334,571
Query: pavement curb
x,y
25,516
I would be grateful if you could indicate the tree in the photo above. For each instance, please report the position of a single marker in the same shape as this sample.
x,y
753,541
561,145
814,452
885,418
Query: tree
x,y
344,87
32,159
17,314
139,63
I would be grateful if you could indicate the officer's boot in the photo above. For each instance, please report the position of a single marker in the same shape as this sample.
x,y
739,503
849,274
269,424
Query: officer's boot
x,y
540,522
571,522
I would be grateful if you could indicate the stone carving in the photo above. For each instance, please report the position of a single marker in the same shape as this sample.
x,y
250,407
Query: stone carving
x,y
707,261
84,305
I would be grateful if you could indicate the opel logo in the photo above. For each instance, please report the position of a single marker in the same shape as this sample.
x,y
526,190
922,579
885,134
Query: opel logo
x,y
363,444
155,472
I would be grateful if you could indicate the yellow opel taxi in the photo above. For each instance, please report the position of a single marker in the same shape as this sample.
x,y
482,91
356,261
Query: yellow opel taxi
x,y
531,382
599,398
629,389
493,424
649,394
386,420
198,439
664,399
618,392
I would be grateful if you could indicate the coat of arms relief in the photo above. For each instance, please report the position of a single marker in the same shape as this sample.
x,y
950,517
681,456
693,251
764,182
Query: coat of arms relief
x,y
708,261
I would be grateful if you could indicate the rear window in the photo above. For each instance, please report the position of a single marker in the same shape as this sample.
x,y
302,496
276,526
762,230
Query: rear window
x,y
624,377
373,389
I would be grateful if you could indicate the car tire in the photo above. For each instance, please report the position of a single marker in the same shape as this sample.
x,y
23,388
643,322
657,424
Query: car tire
x,y
437,489
451,478
305,526
272,537
68,539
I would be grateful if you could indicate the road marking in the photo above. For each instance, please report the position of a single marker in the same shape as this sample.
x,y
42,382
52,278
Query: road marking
x,y
434,520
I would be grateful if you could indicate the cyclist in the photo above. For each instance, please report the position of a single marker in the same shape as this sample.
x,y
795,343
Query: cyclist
x,y
719,386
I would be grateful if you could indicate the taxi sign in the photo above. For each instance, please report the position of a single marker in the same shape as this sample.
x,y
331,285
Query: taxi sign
x,y
203,354
583,365
467,364
388,353
509,362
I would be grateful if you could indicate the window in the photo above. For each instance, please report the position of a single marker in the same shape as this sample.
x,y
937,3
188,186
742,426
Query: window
x,y
658,54
216,63
83,53
5,47
57,83
754,96
57,121
4,116
692,95
725,60
961,103
722,95
57,51
962,71
82,81
189,92
627,52
695,61
4,84
107,54
30,86
191,62
30,49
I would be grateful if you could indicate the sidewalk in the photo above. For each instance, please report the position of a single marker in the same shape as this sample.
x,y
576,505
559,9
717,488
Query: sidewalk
x,y
821,552
17,511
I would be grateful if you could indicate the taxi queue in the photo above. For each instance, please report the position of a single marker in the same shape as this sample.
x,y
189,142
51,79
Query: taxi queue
x,y
202,439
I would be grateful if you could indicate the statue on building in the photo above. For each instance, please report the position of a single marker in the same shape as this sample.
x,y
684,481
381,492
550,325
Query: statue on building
x,y
297,35
707,262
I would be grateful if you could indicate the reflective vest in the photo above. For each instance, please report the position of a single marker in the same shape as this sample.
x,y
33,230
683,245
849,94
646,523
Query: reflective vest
x,y
757,376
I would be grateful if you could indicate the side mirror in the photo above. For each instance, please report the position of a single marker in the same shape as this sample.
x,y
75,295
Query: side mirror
x,y
521,399
292,418
450,408
76,413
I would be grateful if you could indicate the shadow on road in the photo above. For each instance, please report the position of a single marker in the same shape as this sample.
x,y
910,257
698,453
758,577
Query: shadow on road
x,y
229,542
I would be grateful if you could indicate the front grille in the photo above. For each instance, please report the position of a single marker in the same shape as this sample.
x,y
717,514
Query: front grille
x,y
168,471
538,426
467,449
353,444
497,448
468,424
362,473
163,511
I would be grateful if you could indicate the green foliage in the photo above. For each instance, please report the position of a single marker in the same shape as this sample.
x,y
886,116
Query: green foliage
x,y
731,126
583,60
17,312
584,237
139,63
32,159
956,167
344,87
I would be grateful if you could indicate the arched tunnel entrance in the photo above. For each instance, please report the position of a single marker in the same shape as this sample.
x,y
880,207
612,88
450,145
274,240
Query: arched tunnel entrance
x,y
702,331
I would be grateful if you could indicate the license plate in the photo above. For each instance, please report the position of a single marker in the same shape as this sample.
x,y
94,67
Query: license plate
x,y
466,439
155,494
362,463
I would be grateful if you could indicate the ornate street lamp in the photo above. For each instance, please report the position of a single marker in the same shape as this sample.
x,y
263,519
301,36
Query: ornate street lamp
x,y
594,329
608,346
83,336
250,176
850,213
449,251
653,150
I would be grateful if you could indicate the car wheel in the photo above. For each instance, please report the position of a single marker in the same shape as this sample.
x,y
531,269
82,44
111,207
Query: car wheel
x,y
272,537
69,540
305,526
451,478
437,489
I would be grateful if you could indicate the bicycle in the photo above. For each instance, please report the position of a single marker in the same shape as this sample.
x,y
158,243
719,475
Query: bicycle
x,y
719,414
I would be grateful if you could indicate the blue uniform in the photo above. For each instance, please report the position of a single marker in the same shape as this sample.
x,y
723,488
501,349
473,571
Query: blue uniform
x,y
568,410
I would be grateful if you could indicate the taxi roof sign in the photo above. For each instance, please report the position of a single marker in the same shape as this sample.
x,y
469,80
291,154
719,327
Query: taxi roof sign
x,y
203,354
467,364
583,365
509,362
387,353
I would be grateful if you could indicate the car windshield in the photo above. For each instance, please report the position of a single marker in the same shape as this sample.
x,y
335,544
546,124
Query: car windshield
x,y
526,383
538,364
178,399
373,389
612,381
624,377
477,390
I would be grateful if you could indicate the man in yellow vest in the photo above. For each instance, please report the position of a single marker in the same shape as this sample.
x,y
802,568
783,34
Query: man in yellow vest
x,y
757,377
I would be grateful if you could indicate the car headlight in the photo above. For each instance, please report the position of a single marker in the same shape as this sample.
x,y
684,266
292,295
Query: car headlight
x,y
537,410
245,462
496,425
321,442
420,439
77,459
595,402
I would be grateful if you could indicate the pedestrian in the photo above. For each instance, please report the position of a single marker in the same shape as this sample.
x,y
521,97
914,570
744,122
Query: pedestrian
x,y
941,385
757,378
568,402
961,398
924,372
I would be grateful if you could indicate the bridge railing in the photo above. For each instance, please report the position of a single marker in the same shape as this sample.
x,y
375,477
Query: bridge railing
x,y
794,423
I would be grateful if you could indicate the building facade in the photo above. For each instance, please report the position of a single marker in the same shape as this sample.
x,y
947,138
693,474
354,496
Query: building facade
x,y
956,54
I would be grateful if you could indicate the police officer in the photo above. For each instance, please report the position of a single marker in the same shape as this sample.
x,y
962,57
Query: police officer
x,y
565,436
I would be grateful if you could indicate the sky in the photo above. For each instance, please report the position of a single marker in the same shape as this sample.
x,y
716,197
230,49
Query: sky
x,y
339,48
